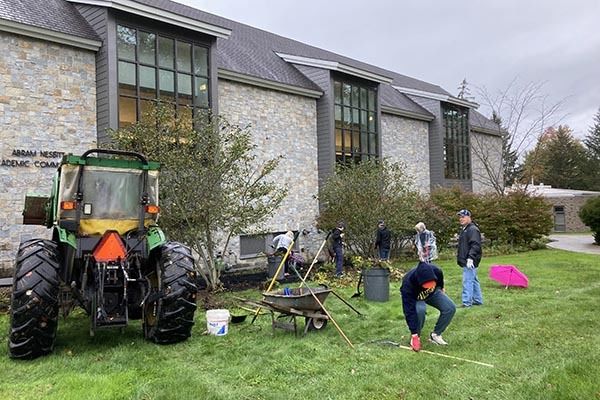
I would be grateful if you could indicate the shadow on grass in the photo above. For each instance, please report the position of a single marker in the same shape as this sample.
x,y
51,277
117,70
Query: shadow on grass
x,y
73,336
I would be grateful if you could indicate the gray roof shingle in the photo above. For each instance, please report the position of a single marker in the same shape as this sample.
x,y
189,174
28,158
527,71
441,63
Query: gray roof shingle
x,y
55,15
393,98
478,120
252,51
248,50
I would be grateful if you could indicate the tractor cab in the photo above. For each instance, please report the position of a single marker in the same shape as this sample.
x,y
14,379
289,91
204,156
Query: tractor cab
x,y
100,194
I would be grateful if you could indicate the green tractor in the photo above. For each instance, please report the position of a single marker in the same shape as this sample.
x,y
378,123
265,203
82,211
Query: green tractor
x,y
107,255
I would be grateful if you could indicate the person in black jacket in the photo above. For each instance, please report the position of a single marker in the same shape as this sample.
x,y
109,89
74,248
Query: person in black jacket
x,y
383,241
468,256
337,236
421,286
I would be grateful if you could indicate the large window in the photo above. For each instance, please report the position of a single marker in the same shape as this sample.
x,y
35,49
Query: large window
x,y
355,122
457,159
152,67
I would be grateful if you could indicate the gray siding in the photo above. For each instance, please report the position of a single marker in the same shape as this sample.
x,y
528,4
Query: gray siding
x,y
97,17
213,80
325,122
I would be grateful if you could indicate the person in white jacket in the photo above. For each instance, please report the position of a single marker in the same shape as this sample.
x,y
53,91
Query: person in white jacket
x,y
425,243
281,244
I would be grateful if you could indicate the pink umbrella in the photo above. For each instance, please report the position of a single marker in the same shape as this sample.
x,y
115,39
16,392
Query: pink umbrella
x,y
508,275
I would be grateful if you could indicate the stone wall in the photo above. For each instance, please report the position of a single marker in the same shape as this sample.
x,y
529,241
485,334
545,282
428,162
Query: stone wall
x,y
407,140
47,107
486,162
572,205
281,124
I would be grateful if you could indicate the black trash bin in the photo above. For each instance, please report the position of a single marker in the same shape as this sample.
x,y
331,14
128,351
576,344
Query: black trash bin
x,y
273,264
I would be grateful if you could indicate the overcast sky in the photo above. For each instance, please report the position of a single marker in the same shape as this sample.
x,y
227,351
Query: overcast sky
x,y
490,43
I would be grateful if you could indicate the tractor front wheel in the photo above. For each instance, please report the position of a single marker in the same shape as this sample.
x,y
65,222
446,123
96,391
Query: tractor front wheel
x,y
171,304
34,300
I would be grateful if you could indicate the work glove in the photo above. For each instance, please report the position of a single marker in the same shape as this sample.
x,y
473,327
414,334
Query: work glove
x,y
415,342
470,263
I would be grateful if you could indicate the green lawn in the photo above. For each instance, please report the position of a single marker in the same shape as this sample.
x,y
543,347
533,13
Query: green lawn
x,y
543,341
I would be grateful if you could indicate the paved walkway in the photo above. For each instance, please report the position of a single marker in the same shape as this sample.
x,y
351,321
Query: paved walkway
x,y
580,243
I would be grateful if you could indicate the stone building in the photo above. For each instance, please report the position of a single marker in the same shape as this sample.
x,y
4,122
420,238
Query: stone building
x,y
565,205
73,68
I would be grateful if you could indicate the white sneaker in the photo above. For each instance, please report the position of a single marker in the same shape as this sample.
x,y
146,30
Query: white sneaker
x,y
437,339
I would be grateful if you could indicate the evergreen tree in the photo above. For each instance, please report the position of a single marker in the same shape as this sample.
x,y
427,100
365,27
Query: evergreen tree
x,y
592,141
558,160
592,144
463,91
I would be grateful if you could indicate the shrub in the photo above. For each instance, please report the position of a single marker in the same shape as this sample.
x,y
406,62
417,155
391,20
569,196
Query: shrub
x,y
515,219
439,213
590,215
527,218
361,194
214,185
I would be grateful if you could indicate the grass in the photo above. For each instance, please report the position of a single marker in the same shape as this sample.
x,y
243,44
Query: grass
x,y
543,342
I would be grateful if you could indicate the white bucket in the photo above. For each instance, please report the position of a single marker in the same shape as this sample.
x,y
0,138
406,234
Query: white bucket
x,y
217,322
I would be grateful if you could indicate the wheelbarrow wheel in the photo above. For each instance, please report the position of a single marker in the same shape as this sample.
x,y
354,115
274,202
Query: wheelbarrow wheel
x,y
315,324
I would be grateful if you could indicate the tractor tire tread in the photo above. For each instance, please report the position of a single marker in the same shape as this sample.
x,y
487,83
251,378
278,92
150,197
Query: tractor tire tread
x,y
34,300
175,317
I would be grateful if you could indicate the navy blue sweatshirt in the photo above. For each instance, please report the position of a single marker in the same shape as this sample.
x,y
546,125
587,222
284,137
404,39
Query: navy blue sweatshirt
x,y
412,291
336,237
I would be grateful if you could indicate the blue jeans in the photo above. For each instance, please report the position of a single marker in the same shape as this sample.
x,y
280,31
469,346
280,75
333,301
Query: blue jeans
x,y
443,303
339,260
471,292
384,254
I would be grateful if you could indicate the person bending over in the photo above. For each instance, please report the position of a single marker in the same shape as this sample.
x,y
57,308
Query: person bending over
x,y
421,286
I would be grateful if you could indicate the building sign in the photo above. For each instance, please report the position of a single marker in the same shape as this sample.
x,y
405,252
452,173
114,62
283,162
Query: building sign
x,y
21,158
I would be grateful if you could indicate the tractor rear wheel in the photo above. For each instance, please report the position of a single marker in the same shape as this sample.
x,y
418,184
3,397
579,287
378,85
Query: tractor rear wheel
x,y
171,304
34,300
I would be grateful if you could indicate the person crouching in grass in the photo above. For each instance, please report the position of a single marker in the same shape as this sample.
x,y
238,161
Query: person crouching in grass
x,y
424,285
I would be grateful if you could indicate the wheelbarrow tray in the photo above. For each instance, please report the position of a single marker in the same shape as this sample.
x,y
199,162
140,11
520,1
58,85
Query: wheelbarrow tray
x,y
299,299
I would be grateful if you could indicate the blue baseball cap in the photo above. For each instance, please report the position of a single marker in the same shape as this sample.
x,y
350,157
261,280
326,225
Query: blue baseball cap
x,y
464,213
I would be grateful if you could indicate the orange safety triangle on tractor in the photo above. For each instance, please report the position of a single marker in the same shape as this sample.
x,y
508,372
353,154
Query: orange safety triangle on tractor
x,y
110,248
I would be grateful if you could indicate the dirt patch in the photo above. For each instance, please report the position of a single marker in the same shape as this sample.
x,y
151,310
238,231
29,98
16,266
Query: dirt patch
x,y
209,301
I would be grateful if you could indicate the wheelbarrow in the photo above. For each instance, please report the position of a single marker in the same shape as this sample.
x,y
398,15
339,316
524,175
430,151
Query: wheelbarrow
x,y
290,303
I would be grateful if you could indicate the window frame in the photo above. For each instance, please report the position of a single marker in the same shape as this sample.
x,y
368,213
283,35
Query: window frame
x,y
351,121
199,72
456,142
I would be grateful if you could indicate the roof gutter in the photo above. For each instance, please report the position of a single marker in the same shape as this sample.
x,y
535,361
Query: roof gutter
x,y
437,96
408,114
159,14
49,35
335,66
487,131
264,83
